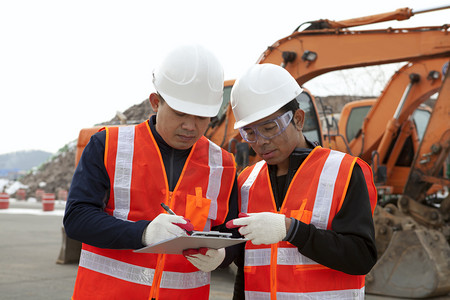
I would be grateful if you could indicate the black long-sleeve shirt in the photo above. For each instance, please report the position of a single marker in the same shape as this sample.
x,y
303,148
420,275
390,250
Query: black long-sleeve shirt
x,y
85,219
350,244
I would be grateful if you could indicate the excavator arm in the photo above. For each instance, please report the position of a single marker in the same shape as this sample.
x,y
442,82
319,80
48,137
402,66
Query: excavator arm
x,y
396,15
409,87
308,54
428,167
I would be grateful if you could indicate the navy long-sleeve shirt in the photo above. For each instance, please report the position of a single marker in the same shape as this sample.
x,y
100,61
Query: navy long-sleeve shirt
x,y
85,219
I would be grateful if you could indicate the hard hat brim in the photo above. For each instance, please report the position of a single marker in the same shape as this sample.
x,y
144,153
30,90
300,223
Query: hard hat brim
x,y
190,108
258,116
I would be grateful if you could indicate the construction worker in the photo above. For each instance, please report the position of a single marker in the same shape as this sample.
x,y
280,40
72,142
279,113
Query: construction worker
x,y
306,210
125,173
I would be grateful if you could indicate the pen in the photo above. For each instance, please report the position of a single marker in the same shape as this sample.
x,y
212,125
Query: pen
x,y
166,208
188,227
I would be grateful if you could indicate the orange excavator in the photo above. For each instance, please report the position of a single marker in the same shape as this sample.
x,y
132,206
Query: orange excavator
x,y
411,220
398,106
408,158
406,143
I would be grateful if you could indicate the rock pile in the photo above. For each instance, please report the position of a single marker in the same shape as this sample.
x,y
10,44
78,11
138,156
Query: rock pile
x,y
56,174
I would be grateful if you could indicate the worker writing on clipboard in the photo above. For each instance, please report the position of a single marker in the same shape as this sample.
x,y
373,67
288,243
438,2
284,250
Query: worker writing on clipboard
x,y
125,173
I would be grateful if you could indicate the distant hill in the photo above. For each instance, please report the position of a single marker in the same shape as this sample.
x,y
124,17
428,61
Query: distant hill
x,y
23,160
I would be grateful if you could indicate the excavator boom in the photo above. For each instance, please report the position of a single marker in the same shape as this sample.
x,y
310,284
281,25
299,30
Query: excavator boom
x,y
407,89
308,54
434,149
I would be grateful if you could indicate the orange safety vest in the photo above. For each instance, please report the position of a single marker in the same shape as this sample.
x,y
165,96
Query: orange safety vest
x,y
315,195
138,186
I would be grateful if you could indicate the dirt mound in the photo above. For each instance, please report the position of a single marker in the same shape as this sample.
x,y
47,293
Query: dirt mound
x,y
133,115
56,174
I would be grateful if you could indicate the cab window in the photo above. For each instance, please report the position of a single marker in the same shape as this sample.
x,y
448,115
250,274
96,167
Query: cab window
x,y
421,118
355,121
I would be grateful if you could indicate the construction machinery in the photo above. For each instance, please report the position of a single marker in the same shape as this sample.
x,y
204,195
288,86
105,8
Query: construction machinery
x,y
412,218
406,144
408,158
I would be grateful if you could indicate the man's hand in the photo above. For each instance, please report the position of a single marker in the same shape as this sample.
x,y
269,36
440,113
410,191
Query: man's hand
x,y
261,228
205,259
165,226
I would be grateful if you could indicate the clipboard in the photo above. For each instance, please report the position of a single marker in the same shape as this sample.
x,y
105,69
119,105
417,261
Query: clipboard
x,y
198,239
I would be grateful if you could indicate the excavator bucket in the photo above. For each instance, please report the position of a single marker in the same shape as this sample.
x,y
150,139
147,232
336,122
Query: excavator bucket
x,y
71,249
415,262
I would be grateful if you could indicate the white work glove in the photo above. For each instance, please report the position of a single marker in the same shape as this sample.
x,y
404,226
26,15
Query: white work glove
x,y
163,227
261,228
205,259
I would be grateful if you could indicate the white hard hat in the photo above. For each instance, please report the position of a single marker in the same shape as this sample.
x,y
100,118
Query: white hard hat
x,y
260,92
190,79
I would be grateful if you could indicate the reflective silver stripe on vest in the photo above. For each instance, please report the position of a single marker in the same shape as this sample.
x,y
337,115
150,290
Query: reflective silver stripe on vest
x,y
245,189
257,257
285,256
338,295
124,167
215,179
141,275
325,189
291,256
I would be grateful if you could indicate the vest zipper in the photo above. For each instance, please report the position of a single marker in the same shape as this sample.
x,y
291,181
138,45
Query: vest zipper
x,y
172,153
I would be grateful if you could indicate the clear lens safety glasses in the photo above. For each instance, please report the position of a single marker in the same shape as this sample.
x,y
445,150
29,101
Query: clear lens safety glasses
x,y
268,129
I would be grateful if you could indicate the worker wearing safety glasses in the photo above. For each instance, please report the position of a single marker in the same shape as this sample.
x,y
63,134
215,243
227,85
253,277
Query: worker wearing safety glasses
x,y
307,211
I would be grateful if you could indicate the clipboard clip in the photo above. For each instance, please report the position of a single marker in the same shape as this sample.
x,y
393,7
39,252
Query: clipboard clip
x,y
212,234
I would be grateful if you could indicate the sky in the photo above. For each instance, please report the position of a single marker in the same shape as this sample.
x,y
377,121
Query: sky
x,y
68,65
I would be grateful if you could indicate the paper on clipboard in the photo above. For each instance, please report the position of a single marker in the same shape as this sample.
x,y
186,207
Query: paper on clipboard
x,y
197,240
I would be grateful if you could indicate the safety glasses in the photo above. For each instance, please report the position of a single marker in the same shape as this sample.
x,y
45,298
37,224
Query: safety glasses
x,y
268,129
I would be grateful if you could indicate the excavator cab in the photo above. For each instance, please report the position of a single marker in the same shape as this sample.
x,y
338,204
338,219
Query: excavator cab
x,y
222,114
